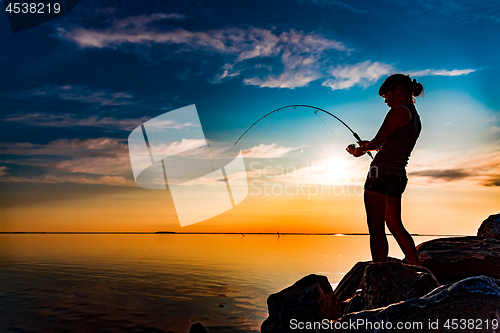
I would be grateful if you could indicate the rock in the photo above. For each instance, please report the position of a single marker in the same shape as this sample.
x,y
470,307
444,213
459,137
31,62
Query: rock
x,y
490,228
387,283
476,298
456,258
384,284
198,328
354,304
309,299
352,280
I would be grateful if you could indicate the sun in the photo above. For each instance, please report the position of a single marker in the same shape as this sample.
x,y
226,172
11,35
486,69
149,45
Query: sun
x,y
335,170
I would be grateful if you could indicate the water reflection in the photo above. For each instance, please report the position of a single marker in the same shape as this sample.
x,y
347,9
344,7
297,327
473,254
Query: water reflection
x,y
160,282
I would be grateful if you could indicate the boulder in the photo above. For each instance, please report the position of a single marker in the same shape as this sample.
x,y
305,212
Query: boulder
x,y
476,298
456,258
384,284
387,283
352,280
198,328
490,228
309,299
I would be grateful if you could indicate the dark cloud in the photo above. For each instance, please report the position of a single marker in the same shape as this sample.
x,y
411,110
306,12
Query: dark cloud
x,y
89,161
71,120
488,175
445,174
76,105
493,181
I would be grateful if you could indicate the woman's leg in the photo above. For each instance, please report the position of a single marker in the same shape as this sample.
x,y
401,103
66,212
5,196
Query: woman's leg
x,y
375,206
395,225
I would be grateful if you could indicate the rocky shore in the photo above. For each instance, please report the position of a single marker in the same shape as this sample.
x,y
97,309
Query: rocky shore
x,y
456,290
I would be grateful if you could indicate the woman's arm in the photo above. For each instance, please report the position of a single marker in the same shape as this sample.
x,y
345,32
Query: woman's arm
x,y
393,119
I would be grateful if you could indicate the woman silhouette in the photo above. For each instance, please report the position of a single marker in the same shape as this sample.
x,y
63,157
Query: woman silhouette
x,y
387,179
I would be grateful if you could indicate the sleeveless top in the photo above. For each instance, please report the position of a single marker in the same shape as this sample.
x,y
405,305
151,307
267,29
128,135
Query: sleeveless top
x,y
395,151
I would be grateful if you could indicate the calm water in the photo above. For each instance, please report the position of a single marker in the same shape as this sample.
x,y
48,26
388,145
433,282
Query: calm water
x,y
154,283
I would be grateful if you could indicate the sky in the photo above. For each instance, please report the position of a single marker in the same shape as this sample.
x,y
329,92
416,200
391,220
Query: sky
x,y
73,89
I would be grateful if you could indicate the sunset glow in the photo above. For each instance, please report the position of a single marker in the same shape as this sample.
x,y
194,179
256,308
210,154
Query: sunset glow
x,y
70,103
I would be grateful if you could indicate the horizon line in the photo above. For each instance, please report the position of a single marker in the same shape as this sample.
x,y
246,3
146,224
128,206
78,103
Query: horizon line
x,y
204,233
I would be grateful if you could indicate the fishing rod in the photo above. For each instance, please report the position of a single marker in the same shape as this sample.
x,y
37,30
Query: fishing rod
x,y
356,136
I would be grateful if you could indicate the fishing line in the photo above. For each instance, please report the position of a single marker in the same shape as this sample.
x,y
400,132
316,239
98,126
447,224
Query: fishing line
x,y
294,106
356,136
328,128
277,110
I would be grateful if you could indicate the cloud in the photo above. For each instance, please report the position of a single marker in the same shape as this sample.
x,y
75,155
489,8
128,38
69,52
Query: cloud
x,y
87,161
79,179
268,151
142,20
493,181
99,143
289,79
169,123
445,174
480,176
361,74
367,73
245,43
3,170
440,72
300,53
64,147
186,146
84,94
71,120
482,168
101,156
81,93
228,72
97,165
304,57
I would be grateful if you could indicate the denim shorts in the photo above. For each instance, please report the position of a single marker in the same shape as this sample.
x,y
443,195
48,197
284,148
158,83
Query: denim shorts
x,y
387,184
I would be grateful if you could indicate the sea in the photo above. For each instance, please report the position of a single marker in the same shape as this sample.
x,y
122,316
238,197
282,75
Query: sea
x,y
161,282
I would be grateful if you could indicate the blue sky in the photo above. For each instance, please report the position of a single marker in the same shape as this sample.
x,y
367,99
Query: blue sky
x,y
72,89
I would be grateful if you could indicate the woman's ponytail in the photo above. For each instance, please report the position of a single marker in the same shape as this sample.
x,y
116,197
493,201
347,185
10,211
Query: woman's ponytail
x,y
417,88
411,87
